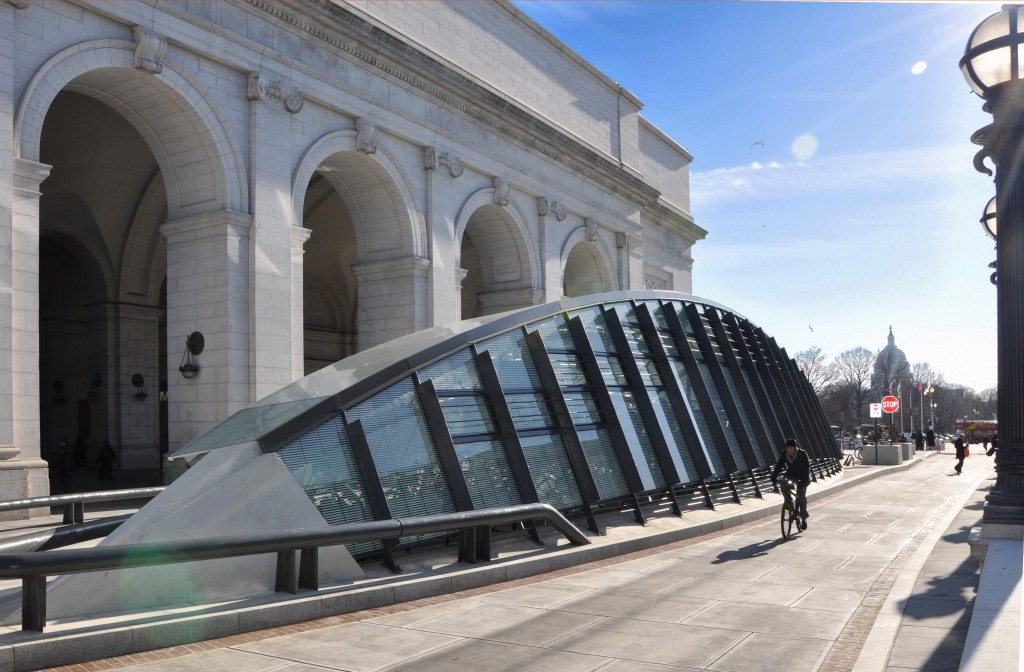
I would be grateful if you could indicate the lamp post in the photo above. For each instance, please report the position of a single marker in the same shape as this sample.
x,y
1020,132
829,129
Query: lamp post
x,y
992,67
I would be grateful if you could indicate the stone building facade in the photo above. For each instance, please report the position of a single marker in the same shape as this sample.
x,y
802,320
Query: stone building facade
x,y
296,182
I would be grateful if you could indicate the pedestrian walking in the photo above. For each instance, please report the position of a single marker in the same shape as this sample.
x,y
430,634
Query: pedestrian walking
x,y
961,453
105,462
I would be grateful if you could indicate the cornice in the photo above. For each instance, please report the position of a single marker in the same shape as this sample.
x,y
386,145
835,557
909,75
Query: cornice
x,y
383,51
676,221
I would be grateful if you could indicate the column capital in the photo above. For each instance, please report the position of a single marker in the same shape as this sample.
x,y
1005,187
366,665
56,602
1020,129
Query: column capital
x,y
28,175
382,270
299,237
206,225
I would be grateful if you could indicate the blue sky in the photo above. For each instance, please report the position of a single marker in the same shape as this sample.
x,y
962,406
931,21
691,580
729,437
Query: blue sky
x,y
832,163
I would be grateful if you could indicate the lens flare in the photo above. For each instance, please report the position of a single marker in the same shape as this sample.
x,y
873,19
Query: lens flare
x,y
804,147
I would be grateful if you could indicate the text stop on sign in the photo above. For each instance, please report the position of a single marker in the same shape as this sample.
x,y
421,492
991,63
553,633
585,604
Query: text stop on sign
x,y
890,404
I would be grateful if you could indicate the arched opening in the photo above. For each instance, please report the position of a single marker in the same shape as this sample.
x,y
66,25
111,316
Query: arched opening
x,y
495,257
357,219
585,272
92,336
328,283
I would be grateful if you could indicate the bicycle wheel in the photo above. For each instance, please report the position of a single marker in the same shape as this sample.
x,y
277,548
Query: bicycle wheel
x,y
788,520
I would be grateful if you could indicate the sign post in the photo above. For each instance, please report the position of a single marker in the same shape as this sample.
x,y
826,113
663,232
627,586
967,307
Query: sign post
x,y
890,405
876,413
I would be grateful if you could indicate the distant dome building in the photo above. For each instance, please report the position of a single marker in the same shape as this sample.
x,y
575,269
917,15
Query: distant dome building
x,y
891,367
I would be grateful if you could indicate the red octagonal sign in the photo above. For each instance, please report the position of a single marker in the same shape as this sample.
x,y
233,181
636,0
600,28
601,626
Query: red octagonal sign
x,y
890,404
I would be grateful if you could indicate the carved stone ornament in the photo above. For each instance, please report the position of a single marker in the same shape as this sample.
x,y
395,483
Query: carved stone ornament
x,y
19,4
264,89
621,240
591,225
653,284
501,189
149,50
366,136
432,159
545,207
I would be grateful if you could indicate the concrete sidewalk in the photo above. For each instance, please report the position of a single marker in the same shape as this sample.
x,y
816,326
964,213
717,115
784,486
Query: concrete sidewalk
x,y
882,580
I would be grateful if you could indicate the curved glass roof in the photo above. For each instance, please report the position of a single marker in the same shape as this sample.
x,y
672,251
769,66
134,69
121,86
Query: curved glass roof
x,y
572,403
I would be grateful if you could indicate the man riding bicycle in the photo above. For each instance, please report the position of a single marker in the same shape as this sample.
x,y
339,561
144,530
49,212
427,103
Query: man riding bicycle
x,y
798,470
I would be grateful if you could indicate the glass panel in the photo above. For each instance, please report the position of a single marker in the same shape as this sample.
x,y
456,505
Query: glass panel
x,y
604,463
488,476
322,463
455,372
757,405
723,417
677,446
555,333
583,408
512,361
611,370
466,415
568,369
403,452
248,424
597,329
551,471
529,411
637,439
710,450
759,451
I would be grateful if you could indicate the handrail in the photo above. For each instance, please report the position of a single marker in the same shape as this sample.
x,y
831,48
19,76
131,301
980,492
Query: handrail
x,y
74,504
33,568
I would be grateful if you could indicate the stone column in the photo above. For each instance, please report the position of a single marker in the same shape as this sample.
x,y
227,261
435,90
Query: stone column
x,y
298,327
208,290
22,471
392,299
631,260
442,171
275,259
132,347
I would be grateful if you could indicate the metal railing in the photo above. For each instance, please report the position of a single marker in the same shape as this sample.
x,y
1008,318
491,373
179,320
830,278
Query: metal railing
x,y
74,504
291,573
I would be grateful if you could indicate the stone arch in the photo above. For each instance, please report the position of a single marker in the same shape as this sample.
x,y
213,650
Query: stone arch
x,y
365,227
507,230
88,248
141,275
199,160
586,265
335,156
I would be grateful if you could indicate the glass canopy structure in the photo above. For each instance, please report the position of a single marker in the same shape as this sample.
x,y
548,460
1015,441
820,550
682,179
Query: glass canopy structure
x,y
603,400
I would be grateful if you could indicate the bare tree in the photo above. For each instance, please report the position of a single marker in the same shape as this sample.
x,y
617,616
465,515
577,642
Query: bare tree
x,y
853,370
819,373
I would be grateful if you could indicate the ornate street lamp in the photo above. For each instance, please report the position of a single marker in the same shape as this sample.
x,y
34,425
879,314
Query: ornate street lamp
x,y
992,66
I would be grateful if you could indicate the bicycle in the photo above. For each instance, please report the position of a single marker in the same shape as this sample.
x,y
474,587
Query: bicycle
x,y
789,518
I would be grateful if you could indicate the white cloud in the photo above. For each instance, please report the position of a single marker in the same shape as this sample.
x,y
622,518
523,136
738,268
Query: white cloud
x,y
826,174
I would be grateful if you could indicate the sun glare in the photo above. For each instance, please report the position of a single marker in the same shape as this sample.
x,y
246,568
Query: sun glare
x,y
919,67
804,147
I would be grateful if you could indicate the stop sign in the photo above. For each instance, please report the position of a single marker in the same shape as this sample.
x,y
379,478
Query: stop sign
x,y
890,404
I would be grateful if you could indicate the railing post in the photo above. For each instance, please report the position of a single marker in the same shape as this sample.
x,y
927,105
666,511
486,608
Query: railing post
x,y
286,580
33,603
309,568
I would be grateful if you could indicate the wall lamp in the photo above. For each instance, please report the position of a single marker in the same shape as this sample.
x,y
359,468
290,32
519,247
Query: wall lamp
x,y
138,381
193,348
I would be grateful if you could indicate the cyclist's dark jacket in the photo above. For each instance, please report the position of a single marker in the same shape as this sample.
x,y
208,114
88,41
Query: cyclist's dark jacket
x,y
799,471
